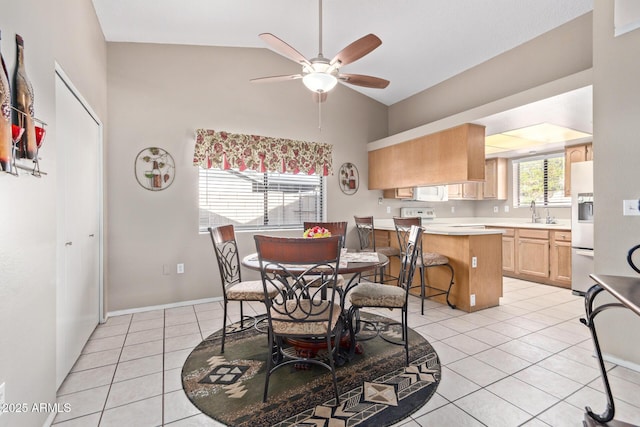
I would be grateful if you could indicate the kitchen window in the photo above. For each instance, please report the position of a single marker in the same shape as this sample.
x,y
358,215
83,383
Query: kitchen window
x,y
253,200
539,179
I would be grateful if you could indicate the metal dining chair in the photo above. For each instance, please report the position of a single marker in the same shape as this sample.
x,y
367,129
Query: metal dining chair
x,y
367,237
301,311
233,287
375,295
425,261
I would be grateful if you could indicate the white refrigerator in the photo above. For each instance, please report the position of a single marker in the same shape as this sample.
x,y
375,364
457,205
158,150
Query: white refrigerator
x,y
581,226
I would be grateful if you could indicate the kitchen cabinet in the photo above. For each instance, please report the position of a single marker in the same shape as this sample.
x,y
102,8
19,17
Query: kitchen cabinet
x,y
509,250
532,252
575,154
398,193
466,191
538,255
495,174
560,258
452,155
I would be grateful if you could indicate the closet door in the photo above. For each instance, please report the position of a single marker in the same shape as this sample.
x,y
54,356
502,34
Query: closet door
x,y
78,137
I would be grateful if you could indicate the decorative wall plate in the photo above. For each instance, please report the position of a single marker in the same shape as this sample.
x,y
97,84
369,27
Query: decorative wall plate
x,y
348,178
154,168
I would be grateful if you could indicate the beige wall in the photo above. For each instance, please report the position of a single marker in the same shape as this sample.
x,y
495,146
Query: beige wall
x,y
66,32
158,96
616,108
561,52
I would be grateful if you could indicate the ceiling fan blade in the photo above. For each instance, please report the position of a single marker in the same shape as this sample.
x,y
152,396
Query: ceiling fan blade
x,y
276,78
357,49
283,48
319,97
366,81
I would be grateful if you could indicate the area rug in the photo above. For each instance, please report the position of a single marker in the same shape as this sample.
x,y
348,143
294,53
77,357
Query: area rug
x,y
375,387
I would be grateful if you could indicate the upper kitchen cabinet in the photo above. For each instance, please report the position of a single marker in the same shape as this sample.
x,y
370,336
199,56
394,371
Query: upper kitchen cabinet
x,y
466,191
495,185
452,155
575,154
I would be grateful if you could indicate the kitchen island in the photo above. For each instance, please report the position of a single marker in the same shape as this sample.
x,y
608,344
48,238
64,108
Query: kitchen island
x,y
482,282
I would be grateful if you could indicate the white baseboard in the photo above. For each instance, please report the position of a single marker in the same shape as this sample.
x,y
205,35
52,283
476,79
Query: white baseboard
x,y
161,307
620,362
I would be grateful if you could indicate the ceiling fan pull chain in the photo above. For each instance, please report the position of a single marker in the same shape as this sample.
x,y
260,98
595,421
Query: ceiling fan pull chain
x,y
320,113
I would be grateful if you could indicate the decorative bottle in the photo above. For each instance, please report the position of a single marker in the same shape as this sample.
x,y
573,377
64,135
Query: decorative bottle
x,y
5,119
352,180
24,102
156,181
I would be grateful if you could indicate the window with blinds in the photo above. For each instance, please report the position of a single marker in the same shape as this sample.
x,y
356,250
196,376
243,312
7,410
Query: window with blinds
x,y
539,179
253,200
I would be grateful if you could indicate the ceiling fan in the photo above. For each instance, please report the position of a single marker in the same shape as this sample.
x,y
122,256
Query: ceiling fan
x,y
320,74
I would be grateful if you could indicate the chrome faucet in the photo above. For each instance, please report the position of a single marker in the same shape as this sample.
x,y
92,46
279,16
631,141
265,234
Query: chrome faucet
x,y
534,215
549,218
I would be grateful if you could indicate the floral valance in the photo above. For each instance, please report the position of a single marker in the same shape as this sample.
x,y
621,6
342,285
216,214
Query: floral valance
x,y
226,150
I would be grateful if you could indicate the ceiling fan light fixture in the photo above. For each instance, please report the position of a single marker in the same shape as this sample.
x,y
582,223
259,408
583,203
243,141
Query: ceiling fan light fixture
x,y
319,81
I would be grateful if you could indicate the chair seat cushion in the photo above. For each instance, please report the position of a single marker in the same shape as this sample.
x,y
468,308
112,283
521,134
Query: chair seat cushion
x,y
388,250
250,290
367,294
298,321
430,259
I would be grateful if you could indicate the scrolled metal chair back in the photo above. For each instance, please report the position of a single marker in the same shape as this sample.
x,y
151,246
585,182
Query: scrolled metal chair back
x,y
226,250
306,272
366,234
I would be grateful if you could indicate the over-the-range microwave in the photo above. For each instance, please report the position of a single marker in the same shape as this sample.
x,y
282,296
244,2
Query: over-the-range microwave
x,y
433,193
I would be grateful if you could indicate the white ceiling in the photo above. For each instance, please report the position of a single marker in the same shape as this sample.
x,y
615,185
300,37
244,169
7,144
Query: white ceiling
x,y
424,42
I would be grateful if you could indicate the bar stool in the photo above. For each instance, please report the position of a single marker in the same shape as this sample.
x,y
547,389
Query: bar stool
x,y
427,260
367,237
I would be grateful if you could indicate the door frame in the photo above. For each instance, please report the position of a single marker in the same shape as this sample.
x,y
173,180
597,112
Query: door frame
x,y
59,72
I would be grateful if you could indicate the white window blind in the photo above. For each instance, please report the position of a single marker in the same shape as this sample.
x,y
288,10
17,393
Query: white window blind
x,y
539,179
253,200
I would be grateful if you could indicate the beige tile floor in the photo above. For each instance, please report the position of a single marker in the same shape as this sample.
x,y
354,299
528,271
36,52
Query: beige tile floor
x,y
527,362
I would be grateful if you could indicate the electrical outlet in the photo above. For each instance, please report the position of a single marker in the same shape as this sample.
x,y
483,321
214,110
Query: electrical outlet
x,y
630,207
474,262
180,268
453,209
495,209
388,209
506,208
472,301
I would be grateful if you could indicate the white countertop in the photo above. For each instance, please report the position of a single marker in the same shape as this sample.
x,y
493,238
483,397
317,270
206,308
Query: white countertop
x,y
473,226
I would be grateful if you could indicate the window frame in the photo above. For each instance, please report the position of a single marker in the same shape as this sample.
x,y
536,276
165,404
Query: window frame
x,y
202,226
565,200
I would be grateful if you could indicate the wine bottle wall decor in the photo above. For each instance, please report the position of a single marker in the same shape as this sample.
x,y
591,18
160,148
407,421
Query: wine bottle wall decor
x,y
154,169
24,98
5,118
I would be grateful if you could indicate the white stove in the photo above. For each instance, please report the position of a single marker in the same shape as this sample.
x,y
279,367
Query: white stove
x,y
427,214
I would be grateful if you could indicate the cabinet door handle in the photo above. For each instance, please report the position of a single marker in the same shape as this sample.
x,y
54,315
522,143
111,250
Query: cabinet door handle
x,y
68,244
91,235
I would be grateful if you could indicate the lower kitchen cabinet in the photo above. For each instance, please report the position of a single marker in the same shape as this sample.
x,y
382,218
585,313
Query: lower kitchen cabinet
x,y
538,255
560,258
533,252
509,250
